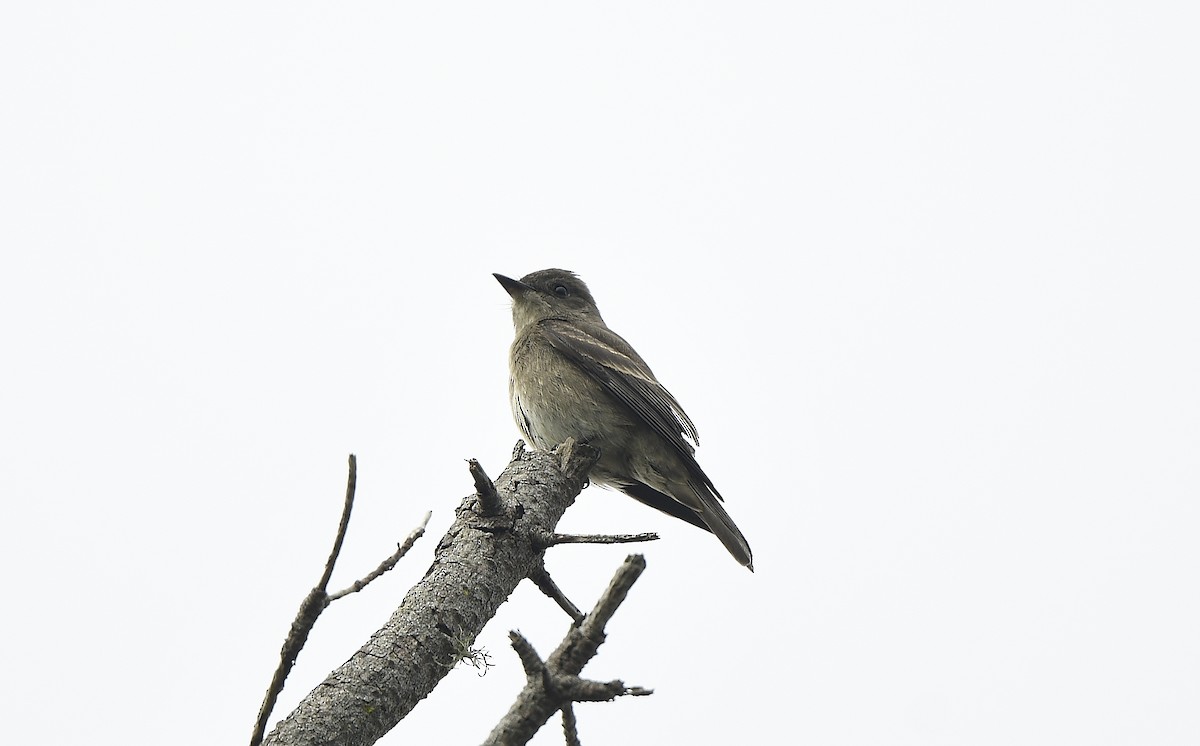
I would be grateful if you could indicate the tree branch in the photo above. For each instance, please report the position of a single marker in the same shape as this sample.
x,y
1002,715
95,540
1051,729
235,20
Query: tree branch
x,y
312,606
555,539
387,564
317,599
489,502
570,727
347,506
477,564
546,585
553,685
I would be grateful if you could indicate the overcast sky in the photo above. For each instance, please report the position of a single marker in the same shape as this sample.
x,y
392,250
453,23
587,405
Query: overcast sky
x,y
925,275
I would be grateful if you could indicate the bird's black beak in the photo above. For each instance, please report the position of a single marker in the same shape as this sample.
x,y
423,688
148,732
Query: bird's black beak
x,y
513,287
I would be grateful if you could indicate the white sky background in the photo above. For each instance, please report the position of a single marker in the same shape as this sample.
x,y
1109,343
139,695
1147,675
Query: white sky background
x,y
924,275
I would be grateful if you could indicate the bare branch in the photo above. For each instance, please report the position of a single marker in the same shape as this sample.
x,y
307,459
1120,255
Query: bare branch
x,y
477,565
618,588
576,689
317,599
546,584
489,500
312,606
530,660
560,684
556,539
387,564
351,483
570,727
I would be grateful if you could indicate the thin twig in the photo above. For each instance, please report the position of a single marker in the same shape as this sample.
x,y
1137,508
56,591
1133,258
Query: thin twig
x,y
555,539
387,564
546,584
576,689
312,606
317,599
351,484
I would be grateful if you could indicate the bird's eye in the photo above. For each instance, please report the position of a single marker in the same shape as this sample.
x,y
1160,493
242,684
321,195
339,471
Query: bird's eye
x,y
561,291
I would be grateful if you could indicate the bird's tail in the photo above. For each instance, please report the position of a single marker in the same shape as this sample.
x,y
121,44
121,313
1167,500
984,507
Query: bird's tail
x,y
702,509
719,522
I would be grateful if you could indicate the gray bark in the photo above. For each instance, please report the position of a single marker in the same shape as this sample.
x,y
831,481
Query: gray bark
x,y
552,685
477,565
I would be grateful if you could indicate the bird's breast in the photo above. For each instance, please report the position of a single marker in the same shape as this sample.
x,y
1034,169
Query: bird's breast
x,y
552,399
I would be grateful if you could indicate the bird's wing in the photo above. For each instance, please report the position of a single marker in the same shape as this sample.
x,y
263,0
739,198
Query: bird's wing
x,y
611,362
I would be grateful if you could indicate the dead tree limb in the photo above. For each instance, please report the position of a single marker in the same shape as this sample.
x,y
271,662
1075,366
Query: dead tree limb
x,y
477,564
553,685
310,608
319,598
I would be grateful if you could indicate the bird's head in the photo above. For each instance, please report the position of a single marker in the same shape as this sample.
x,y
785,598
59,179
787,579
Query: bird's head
x,y
549,294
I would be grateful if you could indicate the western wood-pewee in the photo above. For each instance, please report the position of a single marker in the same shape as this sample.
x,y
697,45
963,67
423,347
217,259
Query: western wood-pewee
x,y
570,376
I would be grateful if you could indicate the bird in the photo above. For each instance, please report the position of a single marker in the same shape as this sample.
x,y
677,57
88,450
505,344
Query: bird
x,y
570,376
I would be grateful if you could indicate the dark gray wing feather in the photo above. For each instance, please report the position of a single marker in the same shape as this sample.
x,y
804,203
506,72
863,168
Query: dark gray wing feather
x,y
611,362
